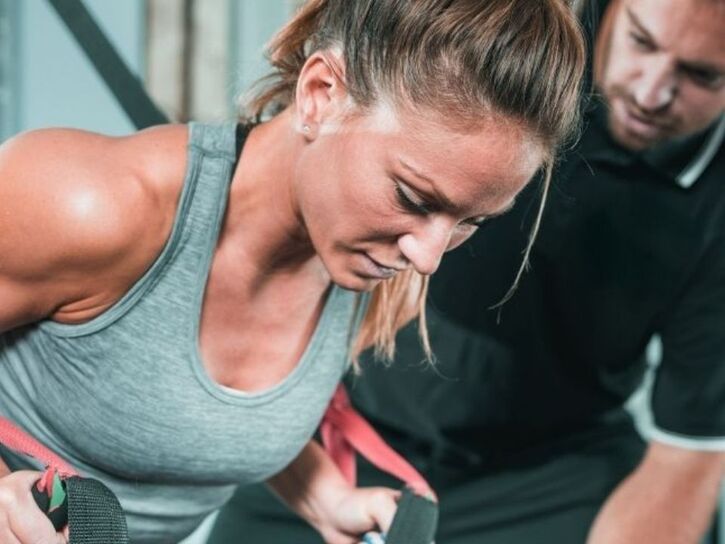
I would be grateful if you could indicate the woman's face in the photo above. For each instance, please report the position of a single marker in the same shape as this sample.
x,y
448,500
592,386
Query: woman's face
x,y
386,191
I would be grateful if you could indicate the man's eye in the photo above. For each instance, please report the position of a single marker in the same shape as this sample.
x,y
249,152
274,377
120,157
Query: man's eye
x,y
704,78
641,42
408,201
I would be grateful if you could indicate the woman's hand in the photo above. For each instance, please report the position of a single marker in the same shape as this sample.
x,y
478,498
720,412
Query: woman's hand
x,y
314,487
21,521
357,511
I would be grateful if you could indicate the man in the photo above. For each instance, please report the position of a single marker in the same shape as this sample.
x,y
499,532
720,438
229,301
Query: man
x,y
521,425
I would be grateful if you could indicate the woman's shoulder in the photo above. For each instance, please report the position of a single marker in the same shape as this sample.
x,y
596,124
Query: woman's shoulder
x,y
88,184
87,207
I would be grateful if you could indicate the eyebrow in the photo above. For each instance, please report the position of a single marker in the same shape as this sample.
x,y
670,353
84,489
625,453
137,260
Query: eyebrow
x,y
636,22
716,71
692,65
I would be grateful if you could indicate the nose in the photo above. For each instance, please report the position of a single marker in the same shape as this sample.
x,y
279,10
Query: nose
x,y
656,88
424,247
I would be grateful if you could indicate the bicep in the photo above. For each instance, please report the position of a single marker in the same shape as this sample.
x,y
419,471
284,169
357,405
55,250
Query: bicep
x,y
666,458
675,470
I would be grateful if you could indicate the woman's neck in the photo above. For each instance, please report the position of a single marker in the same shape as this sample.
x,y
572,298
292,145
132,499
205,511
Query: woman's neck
x,y
263,232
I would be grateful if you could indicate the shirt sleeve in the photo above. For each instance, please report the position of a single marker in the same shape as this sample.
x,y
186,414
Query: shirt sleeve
x,y
688,397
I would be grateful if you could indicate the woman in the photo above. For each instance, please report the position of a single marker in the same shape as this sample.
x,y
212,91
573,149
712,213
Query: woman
x,y
175,315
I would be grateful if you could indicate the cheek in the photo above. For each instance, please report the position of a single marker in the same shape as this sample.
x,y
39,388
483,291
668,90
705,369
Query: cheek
x,y
699,107
623,63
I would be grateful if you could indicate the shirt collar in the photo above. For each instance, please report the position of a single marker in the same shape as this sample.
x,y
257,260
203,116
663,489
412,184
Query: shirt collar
x,y
683,160
702,159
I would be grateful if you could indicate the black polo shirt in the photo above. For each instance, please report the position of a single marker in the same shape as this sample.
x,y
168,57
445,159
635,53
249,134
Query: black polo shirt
x,y
631,245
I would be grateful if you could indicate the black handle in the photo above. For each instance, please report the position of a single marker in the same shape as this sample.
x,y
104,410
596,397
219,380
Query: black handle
x,y
415,522
59,515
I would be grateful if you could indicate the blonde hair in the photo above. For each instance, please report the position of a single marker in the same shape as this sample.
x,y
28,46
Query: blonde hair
x,y
523,59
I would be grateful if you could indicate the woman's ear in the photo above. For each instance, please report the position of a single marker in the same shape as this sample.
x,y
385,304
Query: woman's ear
x,y
321,95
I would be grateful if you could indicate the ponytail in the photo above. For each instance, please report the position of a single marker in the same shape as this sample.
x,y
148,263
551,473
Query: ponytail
x,y
287,53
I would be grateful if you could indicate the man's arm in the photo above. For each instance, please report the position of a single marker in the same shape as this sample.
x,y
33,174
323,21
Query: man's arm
x,y
669,499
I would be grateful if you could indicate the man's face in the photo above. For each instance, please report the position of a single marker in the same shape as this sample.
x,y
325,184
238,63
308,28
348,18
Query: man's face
x,y
664,74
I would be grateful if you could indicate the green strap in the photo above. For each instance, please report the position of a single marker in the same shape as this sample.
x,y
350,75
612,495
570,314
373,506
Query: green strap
x,y
57,496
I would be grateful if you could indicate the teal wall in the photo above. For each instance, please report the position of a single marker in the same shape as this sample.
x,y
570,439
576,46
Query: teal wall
x,y
57,85
254,23
9,67
49,81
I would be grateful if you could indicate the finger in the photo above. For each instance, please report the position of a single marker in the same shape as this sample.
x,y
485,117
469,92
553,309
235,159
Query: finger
x,y
383,507
7,536
28,522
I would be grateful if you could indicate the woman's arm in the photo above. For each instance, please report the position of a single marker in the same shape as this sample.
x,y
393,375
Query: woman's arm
x,y
81,217
315,489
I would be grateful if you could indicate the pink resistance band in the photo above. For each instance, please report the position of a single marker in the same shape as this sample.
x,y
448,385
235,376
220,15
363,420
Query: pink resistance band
x,y
344,431
18,440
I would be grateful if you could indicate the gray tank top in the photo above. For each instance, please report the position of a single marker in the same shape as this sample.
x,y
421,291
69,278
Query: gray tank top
x,y
125,397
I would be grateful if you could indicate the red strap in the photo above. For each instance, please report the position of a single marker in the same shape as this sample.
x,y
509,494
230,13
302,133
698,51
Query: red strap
x,y
344,431
18,440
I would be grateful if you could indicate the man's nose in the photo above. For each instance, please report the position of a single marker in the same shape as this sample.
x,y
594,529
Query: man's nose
x,y
656,88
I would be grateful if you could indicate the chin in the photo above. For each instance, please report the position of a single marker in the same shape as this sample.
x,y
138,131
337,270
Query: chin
x,y
352,281
343,274
627,139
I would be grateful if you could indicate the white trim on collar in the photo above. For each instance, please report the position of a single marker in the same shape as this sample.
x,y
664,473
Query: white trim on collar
x,y
696,167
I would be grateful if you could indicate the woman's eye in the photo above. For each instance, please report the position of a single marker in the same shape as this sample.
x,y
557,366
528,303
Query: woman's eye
x,y
408,201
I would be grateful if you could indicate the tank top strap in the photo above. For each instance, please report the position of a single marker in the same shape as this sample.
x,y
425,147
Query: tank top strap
x,y
214,140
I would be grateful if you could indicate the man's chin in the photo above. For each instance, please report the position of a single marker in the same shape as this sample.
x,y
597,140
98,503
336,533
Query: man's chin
x,y
631,140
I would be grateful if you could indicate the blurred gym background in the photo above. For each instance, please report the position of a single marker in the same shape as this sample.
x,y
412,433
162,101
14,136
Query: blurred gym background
x,y
194,57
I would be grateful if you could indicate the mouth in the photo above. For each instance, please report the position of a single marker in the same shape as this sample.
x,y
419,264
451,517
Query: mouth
x,y
375,269
643,127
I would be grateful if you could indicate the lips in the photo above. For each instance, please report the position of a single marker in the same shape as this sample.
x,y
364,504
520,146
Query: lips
x,y
377,269
646,121
639,125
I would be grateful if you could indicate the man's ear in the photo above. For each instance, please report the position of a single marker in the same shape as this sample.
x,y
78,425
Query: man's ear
x,y
321,95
